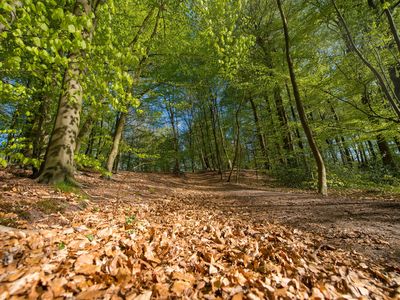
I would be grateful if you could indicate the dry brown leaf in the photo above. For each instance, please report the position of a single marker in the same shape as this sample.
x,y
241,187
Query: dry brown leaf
x,y
184,276
179,287
144,296
238,296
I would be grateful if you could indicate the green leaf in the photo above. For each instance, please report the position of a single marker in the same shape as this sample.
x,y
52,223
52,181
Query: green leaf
x,y
44,26
385,5
36,41
71,28
61,246
58,14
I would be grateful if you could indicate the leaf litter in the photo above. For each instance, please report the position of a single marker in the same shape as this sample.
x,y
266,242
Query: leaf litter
x,y
133,244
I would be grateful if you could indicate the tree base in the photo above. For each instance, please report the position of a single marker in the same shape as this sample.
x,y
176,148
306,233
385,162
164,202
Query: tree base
x,y
53,178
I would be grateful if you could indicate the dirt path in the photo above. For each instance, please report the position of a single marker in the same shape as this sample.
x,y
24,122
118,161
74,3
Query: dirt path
x,y
156,236
366,223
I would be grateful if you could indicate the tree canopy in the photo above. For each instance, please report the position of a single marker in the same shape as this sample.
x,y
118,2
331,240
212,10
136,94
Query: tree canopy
x,y
296,89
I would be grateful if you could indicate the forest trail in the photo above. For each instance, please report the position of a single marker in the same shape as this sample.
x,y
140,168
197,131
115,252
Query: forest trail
x,y
139,236
367,222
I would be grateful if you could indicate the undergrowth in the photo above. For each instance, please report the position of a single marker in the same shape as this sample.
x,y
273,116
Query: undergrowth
x,y
370,178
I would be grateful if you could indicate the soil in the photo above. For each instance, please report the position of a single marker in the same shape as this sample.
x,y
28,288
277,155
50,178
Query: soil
x,y
358,222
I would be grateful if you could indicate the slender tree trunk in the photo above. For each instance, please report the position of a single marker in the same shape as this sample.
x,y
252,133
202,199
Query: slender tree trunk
x,y
287,138
38,134
222,136
392,25
204,154
90,143
386,90
85,131
237,143
322,184
214,130
275,133
260,135
208,139
119,128
171,115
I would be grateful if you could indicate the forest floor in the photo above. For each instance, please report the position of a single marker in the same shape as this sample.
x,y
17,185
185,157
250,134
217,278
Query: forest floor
x,y
139,236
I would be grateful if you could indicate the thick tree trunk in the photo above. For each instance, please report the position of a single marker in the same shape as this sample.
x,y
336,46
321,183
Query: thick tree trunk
x,y
386,154
58,165
119,128
322,184
371,150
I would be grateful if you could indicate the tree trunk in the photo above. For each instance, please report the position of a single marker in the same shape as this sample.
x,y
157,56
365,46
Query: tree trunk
x,y
392,25
38,131
171,115
204,153
391,98
222,136
237,143
214,129
287,138
119,128
322,185
85,131
58,165
386,154
260,135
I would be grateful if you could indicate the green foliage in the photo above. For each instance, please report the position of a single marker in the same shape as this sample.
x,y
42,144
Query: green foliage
x,y
61,246
129,220
86,162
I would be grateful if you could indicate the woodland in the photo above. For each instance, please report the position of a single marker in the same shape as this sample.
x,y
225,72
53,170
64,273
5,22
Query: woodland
x,y
199,149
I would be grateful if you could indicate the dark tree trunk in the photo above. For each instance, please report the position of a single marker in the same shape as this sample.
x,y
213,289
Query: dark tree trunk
x,y
322,184
386,154
260,135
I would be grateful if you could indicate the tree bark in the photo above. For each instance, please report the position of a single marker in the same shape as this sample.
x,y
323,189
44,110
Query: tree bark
x,y
171,115
386,154
58,165
260,135
322,184
214,129
237,144
84,132
119,128
287,138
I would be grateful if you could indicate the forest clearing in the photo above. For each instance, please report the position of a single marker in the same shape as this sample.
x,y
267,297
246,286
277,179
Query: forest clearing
x,y
199,149
191,237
